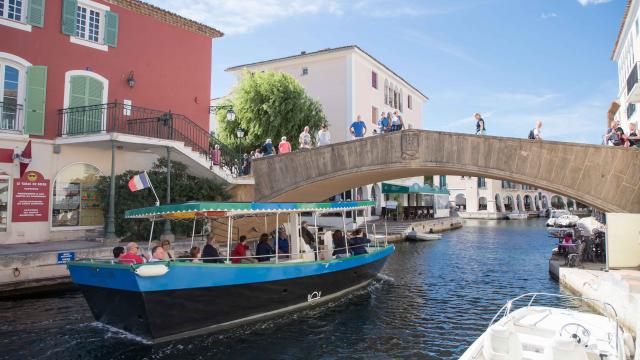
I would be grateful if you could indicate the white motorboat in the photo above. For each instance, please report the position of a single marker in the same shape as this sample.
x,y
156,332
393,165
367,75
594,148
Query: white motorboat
x,y
567,221
554,215
416,236
518,216
547,333
589,225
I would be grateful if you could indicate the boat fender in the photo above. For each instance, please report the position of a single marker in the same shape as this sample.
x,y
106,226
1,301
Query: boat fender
x,y
628,343
152,270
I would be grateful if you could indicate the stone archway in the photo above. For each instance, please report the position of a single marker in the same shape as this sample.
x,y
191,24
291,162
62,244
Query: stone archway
x,y
508,203
461,202
482,203
528,203
557,202
545,202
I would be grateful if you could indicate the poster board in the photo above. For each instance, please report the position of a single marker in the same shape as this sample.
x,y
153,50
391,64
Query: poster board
x,y
30,198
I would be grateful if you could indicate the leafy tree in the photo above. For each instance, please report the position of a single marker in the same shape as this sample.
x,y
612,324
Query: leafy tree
x,y
269,105
184,187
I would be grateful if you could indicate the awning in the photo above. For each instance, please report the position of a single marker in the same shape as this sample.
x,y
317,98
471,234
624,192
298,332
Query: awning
x,y
388,188
192,210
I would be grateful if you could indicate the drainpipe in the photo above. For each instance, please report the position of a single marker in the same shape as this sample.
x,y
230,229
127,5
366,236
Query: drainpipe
x,y
110,228
166,233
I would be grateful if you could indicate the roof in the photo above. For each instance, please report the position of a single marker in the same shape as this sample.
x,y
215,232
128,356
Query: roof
x,y
168,17
193,210
325,51
624,20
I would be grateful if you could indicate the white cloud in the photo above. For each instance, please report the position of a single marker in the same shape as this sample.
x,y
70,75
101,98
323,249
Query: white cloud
x,y
439,45
549,15
592,2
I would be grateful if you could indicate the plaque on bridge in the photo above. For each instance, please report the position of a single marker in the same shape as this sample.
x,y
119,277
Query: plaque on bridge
x,y
410,145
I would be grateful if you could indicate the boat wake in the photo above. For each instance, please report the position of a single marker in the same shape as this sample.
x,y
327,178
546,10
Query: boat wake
x,y
112,332
385,278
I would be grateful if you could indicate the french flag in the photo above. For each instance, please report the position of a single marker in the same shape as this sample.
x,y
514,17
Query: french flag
x,y
139,182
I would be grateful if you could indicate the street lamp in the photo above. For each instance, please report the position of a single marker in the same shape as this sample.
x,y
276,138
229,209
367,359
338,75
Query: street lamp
x,y
239,132
240,135
231,116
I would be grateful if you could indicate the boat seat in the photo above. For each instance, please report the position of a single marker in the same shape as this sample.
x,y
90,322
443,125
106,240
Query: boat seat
x,y
501,343
564,349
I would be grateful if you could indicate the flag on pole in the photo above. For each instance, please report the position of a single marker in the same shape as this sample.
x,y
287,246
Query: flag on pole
x,y
25,158
139,182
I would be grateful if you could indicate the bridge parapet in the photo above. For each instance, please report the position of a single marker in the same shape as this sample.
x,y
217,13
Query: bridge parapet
x,y
607,178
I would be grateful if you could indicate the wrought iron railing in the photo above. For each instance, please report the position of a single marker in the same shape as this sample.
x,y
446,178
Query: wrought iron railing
x,y
232,160
11,117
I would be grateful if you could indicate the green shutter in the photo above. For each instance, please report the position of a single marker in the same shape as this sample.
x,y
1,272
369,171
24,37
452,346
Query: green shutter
x,y
69,8
84,91
111,28
35,102
93,118
35,14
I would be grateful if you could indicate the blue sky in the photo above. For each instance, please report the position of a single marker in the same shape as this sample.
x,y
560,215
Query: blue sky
x,y
514,61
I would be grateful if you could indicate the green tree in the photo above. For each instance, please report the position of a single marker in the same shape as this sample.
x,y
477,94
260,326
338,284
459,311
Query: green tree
x,y
184,187
269,105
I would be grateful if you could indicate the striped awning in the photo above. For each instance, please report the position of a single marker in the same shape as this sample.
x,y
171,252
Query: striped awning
x,y
192,210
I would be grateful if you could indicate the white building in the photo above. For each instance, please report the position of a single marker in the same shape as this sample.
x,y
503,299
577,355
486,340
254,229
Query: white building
x,y
478,197
348,82
626,52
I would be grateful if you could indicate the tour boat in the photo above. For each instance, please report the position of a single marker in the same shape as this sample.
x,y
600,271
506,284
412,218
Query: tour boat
x,y
518,216
165,300
533,332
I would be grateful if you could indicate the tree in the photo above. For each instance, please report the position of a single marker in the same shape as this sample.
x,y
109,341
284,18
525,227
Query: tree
x,y
269,105
184,187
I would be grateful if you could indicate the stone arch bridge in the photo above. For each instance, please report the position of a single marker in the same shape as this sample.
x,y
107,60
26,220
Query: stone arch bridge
x,y
604,177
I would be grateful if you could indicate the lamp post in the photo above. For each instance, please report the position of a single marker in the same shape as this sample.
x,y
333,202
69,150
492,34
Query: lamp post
x,y
240,135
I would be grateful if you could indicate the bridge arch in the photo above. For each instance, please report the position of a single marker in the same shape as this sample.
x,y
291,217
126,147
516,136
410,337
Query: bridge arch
x,y
603,177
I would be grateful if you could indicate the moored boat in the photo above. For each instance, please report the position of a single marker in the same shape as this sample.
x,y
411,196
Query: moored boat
x,y
527,331
518,216
165,300
416,236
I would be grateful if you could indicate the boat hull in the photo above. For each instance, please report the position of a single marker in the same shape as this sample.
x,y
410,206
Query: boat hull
x,y
163,315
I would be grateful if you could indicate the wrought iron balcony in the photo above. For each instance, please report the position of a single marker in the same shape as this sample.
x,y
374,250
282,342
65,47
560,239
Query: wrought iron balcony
x,y
11,117
633,88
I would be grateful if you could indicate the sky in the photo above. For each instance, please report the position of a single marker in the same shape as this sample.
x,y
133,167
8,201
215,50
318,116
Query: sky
x,y
514,61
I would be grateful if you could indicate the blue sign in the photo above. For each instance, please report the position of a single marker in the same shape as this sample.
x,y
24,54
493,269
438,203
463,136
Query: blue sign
x,y
65,257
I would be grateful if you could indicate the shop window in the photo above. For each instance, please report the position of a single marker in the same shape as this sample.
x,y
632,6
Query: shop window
x,y
75,199
4,203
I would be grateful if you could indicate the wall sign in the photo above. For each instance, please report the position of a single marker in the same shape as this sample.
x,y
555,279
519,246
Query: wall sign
x,y
30,198
65,257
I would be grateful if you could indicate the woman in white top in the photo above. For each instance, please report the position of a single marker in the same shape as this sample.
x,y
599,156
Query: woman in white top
x,y
324,136
305,139
537,132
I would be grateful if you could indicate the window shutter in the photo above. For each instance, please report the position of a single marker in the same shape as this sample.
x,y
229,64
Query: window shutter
x,y
69,8
78,91
35,16
35,103
111,28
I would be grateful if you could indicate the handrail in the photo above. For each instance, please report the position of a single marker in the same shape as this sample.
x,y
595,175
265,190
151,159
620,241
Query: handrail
x,y
11,117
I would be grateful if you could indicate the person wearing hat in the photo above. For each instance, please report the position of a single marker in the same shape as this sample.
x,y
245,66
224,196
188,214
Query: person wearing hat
x,y
284,146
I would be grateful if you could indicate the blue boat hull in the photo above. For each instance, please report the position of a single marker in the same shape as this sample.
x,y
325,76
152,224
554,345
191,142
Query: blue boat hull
x,y
160,312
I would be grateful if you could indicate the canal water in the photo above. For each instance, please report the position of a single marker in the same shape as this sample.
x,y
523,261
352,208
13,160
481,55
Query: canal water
x,y
430,302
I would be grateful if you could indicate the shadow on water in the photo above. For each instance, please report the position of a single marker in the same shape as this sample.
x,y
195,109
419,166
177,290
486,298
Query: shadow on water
x,y
431,301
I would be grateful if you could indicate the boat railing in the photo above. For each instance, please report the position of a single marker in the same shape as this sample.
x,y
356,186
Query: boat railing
x,y
283,258
608,309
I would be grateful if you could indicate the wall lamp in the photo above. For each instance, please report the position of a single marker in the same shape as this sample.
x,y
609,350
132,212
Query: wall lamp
x,y
131,81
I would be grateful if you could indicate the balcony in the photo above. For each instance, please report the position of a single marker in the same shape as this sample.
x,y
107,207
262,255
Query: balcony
x,y
11,118
633,88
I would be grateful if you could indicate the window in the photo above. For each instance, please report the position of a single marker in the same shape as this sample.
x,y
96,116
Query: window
x,y
374,79
482,183
12,9
75,199
482,204
443,181
631,108
4,203
11,104
88,24
409,102
305,71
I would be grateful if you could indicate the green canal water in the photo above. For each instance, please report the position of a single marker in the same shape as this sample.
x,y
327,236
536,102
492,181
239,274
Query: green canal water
x,y
432,300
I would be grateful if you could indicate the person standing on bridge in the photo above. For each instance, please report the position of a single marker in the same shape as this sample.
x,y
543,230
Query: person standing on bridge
x,y
383,123
324,136
480,128
305,139
536,133
358,128
284,146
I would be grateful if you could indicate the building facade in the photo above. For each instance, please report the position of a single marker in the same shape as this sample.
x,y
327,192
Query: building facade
x,y
626,53
483,198
81,80
348,82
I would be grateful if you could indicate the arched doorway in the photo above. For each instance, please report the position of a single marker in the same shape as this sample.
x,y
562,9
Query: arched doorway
x,y
75,198
528,203
545,202
499,206
508,203
557,202
482,204
461,202
571,204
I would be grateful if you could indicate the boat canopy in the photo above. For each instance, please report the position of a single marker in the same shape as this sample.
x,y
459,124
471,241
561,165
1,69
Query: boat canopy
x,y
192,210
388,188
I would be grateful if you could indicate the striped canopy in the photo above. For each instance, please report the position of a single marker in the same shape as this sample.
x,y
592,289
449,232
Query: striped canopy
x,y
192,210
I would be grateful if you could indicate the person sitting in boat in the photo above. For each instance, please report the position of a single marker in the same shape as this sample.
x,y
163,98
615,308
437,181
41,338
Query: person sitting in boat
x,y
357,244
283,243
157,254
166,246
239,253
117,252
131,257
308,236
339,245
194,254
263,249
209,253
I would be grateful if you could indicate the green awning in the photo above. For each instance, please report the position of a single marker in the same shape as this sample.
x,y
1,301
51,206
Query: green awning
x,y
388,188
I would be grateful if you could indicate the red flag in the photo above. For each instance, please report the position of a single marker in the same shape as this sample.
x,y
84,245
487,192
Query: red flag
x,y
25,158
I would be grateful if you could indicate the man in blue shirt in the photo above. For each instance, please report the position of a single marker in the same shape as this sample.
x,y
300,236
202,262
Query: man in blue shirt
x,y
383,123
358,128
